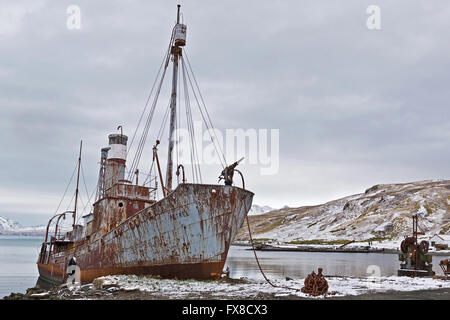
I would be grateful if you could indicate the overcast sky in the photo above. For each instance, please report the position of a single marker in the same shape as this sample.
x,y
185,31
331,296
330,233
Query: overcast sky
x,y
355,107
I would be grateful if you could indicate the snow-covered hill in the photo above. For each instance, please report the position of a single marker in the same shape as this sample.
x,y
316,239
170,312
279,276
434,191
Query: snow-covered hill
x,y
382,211
7,224
11,227
255,209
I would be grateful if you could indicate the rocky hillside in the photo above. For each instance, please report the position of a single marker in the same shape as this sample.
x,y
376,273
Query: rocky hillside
x,y
381,212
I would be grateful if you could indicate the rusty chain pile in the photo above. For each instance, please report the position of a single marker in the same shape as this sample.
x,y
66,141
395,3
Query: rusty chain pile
x,y
315,284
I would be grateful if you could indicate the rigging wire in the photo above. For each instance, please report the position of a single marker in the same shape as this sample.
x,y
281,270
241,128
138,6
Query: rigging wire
x,y
82,204
158,137
84,180
209,126
206,109
141,144
164,62
194,154
186,98
70,203
87,203
146,104
65,191
163,123
148,178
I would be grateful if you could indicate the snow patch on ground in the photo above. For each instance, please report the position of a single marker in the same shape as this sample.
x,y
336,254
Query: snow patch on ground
x,y
340,286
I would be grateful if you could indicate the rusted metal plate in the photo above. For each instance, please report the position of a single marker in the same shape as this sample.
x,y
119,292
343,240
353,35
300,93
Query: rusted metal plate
x,y
185,235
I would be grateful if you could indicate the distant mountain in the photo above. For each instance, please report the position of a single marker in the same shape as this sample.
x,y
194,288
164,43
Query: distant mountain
x,y
382,211
11,227
7,224
256,210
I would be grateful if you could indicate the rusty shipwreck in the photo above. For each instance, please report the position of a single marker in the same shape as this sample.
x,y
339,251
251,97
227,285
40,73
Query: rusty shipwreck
x,y
185,232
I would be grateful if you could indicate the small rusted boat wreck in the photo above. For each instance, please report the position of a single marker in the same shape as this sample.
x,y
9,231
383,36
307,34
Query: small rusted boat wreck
x,y
185,232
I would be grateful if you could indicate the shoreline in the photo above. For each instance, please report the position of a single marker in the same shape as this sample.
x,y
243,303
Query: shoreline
x,y
330,248
123,287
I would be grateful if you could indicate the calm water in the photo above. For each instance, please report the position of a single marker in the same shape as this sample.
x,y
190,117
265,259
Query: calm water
x,y
18,269
299,264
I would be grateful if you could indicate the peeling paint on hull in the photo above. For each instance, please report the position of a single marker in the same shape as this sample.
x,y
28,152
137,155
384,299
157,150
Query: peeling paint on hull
x,y
184,235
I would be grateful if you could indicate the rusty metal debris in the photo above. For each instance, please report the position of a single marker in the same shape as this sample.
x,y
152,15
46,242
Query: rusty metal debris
x,y
315,284
445,266
415,260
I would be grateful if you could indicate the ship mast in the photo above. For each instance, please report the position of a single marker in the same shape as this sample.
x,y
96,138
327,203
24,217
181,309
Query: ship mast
x,y
76,191
179,41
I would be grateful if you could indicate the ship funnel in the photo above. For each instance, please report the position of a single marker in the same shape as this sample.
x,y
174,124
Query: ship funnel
x,y
116,159
118,145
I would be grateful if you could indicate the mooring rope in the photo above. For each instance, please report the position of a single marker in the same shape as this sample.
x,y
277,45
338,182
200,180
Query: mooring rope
x,y
253,246
259,265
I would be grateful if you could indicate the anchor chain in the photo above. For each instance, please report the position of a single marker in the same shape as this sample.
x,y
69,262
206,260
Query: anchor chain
x,y
315,284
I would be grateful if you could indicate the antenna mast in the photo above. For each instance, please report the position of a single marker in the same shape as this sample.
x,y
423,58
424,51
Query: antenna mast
x,y
76,191
179,41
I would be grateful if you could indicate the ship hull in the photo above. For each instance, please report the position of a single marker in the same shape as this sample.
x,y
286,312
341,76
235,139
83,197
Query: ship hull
x,y
185,235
